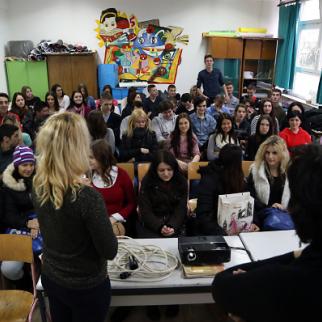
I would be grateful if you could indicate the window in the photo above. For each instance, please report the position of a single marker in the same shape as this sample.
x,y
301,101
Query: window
x,y
308,56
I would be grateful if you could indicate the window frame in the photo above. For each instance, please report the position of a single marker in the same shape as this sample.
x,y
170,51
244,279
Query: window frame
x,y
316,70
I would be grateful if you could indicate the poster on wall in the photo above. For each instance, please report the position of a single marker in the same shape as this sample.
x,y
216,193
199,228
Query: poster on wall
x,y
143,51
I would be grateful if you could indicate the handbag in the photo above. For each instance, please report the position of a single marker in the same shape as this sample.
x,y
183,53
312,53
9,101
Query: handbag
x,y
235,212
276,219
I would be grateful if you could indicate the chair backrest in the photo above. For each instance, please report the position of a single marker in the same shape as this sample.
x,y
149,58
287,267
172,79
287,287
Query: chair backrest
x,y
245,166
16,248
142,170
193,168
128,167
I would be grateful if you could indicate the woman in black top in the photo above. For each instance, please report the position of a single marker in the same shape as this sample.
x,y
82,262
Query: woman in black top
x,y
222,176
264,129
77,234
162,198
139,142
285,288
267,181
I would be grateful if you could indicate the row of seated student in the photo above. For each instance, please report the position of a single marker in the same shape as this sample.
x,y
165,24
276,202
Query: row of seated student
x,y
162,197
131,134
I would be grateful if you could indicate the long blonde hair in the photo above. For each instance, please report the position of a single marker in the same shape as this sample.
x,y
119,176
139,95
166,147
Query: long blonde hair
x,y
62,151
281,148
137,113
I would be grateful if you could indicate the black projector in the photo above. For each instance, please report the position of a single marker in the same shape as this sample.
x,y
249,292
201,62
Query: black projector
x,y
203,250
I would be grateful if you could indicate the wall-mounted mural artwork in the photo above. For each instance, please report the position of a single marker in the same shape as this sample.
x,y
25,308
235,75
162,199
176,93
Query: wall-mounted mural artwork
x,y
142,52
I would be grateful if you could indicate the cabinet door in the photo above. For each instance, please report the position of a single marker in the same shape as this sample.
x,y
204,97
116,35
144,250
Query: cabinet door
x,y
221,47
60,72
253,49
234,48
269,49
217,47
28,73
84,70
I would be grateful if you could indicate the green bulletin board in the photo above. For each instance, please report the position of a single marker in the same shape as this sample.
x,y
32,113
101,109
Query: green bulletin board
x,y
29,73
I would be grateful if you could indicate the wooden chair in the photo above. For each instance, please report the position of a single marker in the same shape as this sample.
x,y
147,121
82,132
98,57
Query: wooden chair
x,y
17,305
142,170
193,168
246,165
128,167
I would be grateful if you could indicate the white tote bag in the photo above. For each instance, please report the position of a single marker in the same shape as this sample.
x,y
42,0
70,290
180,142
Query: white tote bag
x,y
235,212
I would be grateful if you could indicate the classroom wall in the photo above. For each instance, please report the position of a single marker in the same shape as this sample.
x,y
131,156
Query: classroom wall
x,y
3,40
61,19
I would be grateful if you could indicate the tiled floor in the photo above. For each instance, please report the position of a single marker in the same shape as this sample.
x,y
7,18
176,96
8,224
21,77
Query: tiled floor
x,y
187,313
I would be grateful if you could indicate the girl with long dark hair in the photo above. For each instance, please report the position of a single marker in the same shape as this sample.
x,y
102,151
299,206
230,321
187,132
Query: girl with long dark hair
x,y
184,143
264,129
222,176
162,198
224,134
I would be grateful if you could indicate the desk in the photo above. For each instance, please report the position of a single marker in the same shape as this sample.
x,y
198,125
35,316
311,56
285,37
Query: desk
x,y
175,289
266,244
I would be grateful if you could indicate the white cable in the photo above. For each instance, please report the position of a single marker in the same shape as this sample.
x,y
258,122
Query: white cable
x,y
154,263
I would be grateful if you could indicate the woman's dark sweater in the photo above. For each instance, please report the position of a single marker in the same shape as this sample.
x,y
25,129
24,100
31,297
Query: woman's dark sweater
x,y
78,239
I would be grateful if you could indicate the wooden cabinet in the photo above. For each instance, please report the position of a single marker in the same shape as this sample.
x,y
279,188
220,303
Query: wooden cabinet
x,y
69,70
254,56
225,47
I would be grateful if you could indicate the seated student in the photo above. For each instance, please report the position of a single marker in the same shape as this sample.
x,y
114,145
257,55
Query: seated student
x,y
185,104
111,119
24,138
9,139
89,100
125,122
295,135
98,130
295,107
24,113
107,90
51,102
152,102
241,125
162,198
202,123
18,206
164,123
286,288
77,105
40,116
112,182
250,107
266,107
30,99
222,176
63,100
4,106
131,99
264,129
267,181
171,94
217,107
139,142
251,91
276,98
183,143
224,134
233,101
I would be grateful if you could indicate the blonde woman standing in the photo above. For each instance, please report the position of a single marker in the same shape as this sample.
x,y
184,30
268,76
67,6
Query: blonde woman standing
x,y
78,237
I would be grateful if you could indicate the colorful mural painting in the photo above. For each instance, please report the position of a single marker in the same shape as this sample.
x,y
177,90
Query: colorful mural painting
x,y
142,53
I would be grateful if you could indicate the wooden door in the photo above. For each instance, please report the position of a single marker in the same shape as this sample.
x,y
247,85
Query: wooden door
x,y
59,72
